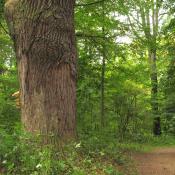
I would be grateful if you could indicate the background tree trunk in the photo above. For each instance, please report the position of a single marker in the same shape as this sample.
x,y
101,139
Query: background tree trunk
x,y
151,36
154,92
44,37
103,87
103,70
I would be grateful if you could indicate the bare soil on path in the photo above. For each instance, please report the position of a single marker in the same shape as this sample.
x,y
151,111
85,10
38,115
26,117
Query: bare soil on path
x,y
160,161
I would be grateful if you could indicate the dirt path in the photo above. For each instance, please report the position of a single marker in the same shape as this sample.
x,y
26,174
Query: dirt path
x,y
158,162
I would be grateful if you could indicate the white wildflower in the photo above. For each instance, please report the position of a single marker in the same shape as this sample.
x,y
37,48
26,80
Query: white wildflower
x,y
78,145
4,162
38,166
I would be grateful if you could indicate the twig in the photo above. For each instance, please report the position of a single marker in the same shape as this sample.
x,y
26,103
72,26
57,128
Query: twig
x,y
91,3
4,29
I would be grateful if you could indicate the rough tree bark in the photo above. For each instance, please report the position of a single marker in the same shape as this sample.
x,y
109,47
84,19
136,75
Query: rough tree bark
x,y
44,40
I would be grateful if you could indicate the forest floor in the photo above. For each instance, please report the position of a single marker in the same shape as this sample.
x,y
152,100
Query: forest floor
x,y
160,161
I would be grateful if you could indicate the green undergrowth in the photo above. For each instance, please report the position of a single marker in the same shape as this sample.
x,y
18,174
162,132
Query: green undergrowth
x,y
24,154
149,144
91,154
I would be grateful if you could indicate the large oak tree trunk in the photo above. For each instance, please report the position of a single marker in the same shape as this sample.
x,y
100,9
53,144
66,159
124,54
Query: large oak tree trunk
x,y
44,37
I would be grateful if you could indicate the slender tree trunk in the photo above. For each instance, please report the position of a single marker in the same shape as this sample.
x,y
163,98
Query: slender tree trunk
x,y
44,37
103,70
103,88
154,92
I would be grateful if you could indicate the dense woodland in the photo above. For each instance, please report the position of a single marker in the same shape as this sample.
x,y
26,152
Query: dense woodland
x,y
95,78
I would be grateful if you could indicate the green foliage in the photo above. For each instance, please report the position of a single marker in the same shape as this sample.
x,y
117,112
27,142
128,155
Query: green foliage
x,y
168,80
22,153
9,115
1,8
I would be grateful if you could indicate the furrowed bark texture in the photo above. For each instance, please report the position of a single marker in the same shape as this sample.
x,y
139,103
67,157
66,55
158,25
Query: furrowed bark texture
x,y
44,38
